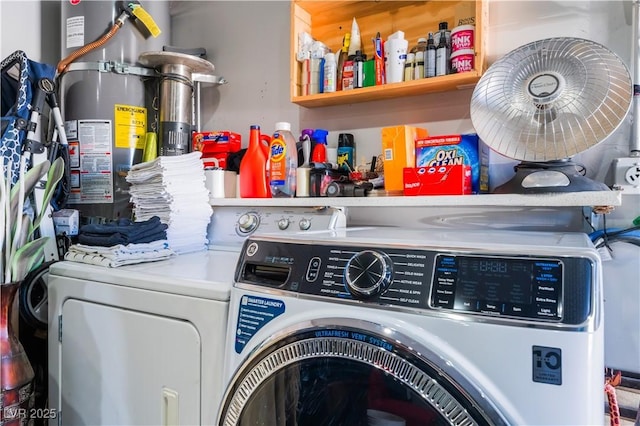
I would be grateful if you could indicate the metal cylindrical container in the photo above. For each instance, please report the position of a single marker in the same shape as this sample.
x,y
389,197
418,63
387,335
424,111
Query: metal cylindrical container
x,y
105,102
176,92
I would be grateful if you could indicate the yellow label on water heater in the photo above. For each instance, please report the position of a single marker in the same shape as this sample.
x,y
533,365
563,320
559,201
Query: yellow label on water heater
x,y
130,126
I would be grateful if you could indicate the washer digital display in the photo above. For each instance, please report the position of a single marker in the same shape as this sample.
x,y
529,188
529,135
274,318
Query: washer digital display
x,y
520,287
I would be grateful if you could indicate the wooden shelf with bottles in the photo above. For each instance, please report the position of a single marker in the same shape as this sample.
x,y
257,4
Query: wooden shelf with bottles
x,y
328,21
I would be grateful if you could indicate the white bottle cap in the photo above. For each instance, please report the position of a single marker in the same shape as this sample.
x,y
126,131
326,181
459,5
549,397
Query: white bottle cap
x,y
283,125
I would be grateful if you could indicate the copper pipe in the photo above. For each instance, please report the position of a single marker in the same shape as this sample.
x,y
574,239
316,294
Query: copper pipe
x,y
63,64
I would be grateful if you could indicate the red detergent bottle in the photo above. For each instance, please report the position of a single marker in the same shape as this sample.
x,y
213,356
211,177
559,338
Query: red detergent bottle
x,y
253,168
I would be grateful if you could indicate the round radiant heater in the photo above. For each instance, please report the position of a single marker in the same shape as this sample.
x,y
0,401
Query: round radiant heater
x,y
546,101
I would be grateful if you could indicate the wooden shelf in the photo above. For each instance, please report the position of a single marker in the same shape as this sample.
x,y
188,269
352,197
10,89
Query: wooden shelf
x,y
389,91
328,21
569,199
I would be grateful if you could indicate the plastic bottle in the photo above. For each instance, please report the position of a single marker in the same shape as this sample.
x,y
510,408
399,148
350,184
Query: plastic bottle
x,y
346,151
341,57
253,168
408,67
430,58
283,162
419,50
319,140
358,69
330,73
303,173
443,50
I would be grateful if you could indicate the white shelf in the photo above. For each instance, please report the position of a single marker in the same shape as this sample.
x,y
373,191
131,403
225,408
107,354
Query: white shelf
x,y
571,199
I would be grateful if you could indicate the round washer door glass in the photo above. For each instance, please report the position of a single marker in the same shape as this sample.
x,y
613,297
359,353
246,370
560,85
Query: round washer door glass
x,y
346,377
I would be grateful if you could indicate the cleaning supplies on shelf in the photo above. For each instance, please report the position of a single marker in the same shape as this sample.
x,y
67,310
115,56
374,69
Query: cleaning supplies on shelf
x,y
253,168
378,58
395,55
346,151
303,173
330,73
283,161
419,50
319,139
342,56
356,41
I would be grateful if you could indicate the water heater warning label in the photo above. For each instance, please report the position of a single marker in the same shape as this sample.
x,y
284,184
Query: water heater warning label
x,y
91,161
253,314
130,126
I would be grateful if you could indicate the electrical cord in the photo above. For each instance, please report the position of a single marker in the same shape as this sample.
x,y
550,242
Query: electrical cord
x,y
604,237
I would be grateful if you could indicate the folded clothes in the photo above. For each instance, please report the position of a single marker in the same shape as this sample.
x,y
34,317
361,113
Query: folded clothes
x,y
120,255
123,231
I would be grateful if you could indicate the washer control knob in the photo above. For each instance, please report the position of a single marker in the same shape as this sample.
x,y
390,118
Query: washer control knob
x,y
248,223
283,223
304,224
368,273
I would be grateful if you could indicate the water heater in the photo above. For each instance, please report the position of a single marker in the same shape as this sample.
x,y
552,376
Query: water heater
x,y
103,96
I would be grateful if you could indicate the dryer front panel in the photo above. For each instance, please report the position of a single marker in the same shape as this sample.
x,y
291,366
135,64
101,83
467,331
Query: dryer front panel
x,y
120,366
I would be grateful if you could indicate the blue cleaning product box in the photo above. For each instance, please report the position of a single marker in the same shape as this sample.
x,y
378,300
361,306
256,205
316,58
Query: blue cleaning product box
x,y
449,150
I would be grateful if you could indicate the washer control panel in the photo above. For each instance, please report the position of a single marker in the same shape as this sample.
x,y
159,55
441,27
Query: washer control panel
x,y
495,284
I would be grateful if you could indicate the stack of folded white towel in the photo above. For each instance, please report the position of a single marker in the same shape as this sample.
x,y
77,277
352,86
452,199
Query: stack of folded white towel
x,y
120,254
173,188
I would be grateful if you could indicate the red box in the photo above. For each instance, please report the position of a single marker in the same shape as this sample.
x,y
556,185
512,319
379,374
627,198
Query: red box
x,y
216,144
437,180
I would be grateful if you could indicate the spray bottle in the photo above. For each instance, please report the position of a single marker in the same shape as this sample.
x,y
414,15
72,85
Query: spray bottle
x,y
319,139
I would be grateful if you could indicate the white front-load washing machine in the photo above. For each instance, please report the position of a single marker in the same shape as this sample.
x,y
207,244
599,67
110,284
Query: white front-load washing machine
x,y
416,327
144,344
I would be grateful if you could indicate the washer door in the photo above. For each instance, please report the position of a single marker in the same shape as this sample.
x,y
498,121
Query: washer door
x,y
340,372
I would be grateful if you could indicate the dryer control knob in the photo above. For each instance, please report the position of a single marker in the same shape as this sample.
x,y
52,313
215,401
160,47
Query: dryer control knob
x,y
368,273
283,223
304,224
248,223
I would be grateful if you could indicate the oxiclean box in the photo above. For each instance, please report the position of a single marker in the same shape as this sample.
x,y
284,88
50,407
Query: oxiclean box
x,y
450,150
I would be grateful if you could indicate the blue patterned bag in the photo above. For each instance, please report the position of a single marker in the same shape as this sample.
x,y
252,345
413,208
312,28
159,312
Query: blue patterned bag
x,y
19,76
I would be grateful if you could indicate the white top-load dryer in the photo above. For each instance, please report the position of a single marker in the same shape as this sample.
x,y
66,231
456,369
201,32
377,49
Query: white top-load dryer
x,y
415,327
144,344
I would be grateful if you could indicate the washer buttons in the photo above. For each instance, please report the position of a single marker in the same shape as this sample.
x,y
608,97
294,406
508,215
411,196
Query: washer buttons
x,y
313,270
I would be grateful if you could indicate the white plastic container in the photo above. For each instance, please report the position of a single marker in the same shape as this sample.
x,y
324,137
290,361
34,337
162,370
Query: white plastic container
x,y
463,60
395,55
330,73
462,38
